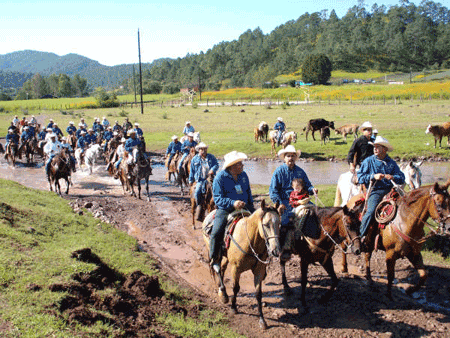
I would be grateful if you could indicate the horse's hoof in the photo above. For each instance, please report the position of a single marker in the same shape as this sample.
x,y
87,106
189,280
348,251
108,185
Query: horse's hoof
x,y
234,310
262,324
223,297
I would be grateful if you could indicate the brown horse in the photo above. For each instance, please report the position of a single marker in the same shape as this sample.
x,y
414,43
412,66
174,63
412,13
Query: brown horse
x,y
183,173
141,170
336,224
29,147
172,168
254,239
286,139
59,168
72,140
206,206
11,153
404,235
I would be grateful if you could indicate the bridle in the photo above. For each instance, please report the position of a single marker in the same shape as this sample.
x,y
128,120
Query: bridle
x,y
442,219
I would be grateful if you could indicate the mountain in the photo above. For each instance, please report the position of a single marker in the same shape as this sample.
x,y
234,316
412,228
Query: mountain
x,y
97,75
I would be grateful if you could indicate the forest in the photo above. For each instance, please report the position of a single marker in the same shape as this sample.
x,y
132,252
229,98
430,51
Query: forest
x,y
401,38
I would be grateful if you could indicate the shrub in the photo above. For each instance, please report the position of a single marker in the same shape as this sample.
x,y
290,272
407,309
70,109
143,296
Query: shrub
x,y
194,105
164,116
106,100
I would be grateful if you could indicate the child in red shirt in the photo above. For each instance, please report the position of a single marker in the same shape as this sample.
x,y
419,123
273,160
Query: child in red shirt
x,y
299,196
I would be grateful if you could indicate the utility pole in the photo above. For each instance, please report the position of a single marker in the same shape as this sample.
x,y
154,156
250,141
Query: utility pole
x,y
134,85
140,73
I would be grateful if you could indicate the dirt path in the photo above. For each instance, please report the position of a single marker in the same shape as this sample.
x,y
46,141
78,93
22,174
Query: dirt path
x,y
163,228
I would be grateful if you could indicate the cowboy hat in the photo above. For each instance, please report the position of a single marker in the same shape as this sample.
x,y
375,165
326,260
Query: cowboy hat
x,y
374,131
366,125
83,132
280,119
383,142
123,139
52,135
131,131
136,124
233,158
90,129
115,133
49,129
80,124
71,122
201,145
191,134
289,149
174,137
188,122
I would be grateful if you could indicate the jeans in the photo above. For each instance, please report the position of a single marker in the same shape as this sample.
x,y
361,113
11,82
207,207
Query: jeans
x,y
48,163
118,163
182,159
217,233
375,197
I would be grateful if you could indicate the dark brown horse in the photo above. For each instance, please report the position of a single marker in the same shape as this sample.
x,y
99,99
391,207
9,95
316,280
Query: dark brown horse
x,y
60,168
29,147
141,170
183,173
207,204
404,235
72,140
254,239
336,224
11,153
172,168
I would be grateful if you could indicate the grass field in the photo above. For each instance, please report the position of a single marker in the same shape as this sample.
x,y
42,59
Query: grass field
x,y
226,128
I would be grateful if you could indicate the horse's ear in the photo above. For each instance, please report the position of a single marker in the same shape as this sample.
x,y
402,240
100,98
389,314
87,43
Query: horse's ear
x,y
418,164
277,204
345,210
445,187
263,204
435,187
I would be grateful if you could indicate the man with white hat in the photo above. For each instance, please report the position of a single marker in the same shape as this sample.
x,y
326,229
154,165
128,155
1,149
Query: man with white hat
x,y
231,190
12,138
117,127
90,137
173,148
56,130
131,144
105,122
119,156
361,147
50,123
280,127
51,149
376,173
33,120
186,148
47,136
82,122
66,145
107,136
188,128
281,183
81,142
97,127
139,132
71,129
126,125
16,121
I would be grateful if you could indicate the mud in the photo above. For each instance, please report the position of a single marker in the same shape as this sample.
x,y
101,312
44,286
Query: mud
x,y
163,229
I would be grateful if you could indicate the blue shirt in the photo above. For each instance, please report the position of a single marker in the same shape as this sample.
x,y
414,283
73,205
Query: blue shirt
x,y
97,127
372,165
26,135
131,143
12,138
81,143
138,131
105,123
50,125
226,191
117,127
71,129
67,146
78,132
187,130
90,139
186,147
42,135
200,167
57,131
281,184
108,135
279,126
173,147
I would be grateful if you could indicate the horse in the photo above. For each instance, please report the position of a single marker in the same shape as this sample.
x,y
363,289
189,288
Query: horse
x,y
286,139
28,147
183,173
172,169
11,153
141,170
336,224
207,204
59,168
254,239
261,132
196,137
403,236
72,140
413,175
91,155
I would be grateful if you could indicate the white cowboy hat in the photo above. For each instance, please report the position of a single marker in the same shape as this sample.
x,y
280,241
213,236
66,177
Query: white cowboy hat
x,y
115,133
366,125
51,120
104,117
49,129
233,158
131,131
63,138
374,131
52,135
136,124
289,149
188,122
80,124
10,131
382,141
83,132
71,122
90,129
280,119
109,127
191,134
174,137
26,127
201,145
55,124
123,139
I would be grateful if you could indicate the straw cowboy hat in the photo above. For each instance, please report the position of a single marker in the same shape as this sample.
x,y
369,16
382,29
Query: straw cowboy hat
x,y
71,122
191,134
280,119
233,158
123,139
174,137
188,122
383,142
52,135
136,124
83,132
375,131
80,124
366,125
49,129
201,145
289,149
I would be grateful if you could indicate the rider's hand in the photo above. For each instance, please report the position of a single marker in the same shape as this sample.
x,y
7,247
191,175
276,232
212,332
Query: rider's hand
x,y
238,204
352,168
315,190
281,209
378,176
388,177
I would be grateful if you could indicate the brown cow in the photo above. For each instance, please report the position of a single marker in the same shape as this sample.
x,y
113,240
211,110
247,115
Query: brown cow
x,y
347,129
439,131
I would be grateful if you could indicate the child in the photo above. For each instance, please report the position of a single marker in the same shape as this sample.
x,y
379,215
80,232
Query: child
x,y
299,196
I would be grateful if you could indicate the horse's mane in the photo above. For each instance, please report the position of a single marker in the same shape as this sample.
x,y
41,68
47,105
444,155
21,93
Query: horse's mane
x,y
328,211
415,194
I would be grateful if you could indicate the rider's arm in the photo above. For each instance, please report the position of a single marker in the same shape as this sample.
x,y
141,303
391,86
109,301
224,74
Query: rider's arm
x,y
275,186
219,192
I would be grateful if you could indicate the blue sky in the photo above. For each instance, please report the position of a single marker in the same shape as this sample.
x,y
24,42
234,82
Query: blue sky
x,y
107,31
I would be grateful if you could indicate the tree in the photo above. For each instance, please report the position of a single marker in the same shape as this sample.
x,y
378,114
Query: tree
x,y
106,100
316,69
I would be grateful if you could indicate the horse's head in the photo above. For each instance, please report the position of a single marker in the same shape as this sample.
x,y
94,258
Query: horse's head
x,y
269,229
413,174
441,199
350,230
197,137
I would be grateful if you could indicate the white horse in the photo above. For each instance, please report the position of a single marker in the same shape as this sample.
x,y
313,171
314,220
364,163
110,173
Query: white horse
x,y
196,137
346,189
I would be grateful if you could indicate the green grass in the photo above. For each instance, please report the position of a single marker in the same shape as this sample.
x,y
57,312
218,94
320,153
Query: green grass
x,y
38,232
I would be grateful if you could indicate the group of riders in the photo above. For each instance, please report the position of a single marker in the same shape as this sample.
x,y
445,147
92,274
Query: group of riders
x,y
367,158
50,140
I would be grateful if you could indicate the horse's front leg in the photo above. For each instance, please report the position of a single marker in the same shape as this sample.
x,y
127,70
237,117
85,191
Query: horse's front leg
x,y
391,257
236,287
222,293
67,185
259,274
146,187
417,262
50,183
344,265
367,257
304,268
139,188
286,287
329,268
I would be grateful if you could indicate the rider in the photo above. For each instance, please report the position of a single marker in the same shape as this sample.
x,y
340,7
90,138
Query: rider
x,y
16,121
117,126
33,120
56,130
105,122
83,123
188,128
50,124
71,129
82,128
231,190
13,128
52,148
107,136
81,142
12,138
280,127
126,125
186,148
97,127
361,148
380,169
119,153
90,137
139,132
66,145
26,134
47,136
172,149
131,144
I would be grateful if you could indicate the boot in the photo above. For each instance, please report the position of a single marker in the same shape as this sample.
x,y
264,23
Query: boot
x,y
200,213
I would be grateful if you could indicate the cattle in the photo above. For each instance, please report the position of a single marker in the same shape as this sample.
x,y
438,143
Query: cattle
x,y
347,129
439,131
325,134
317,124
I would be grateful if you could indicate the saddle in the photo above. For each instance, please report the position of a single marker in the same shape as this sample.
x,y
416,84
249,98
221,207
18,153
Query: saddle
x,y
232,220
387,209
